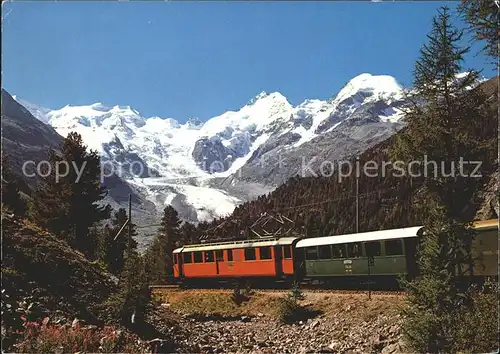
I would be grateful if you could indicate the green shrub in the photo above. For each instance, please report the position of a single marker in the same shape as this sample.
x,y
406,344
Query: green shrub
x,y
289,309
237,297
131,303
470,327
477,330
248,289
296,292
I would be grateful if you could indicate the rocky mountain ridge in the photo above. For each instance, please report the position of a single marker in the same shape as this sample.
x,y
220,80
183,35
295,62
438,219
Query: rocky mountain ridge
x,y
237,155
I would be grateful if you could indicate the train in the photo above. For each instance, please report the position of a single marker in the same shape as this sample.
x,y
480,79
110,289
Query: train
x,y
379,258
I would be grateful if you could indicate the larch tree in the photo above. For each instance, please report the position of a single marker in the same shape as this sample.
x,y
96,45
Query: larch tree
x,y
159,254
483,17
189,234
68,200
442,133
113,246
133,299
105,246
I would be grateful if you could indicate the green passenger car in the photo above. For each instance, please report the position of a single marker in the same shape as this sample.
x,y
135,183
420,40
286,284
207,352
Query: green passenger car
x,y
380,254
387,254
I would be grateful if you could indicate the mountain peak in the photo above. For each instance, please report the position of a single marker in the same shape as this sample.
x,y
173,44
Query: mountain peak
x,y
37,111
260,96
124,110
99,106
263,94
379,86
274,96
382,81
194,123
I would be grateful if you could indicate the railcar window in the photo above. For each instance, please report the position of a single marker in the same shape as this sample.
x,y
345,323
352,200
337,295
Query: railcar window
x,y
198,257
287,252
373,249
175,259
354,250
265,252
393,248
230,255
325,252
209,256
250,254
188,257
311,253
219,255
338,251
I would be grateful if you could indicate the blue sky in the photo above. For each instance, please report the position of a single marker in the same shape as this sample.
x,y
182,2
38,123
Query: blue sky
x,y
185,59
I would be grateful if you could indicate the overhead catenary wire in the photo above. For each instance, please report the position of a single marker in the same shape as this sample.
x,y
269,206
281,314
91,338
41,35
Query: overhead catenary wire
x,y
279,209
147,225
324,201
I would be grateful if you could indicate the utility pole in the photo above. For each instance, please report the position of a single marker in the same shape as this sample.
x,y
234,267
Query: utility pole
x,y
129,246
368,259
357,202
367,250
128,223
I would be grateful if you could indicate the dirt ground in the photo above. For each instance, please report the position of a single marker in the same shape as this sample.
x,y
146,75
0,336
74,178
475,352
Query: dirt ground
x,y
212,322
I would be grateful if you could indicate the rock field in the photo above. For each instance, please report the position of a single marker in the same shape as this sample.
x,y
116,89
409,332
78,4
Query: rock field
x,y
344,324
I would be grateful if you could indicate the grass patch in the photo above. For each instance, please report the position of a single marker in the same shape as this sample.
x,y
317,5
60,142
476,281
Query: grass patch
x,y
208,304
199,303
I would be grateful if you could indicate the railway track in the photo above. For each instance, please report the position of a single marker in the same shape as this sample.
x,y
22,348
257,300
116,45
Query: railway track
x,y
161,288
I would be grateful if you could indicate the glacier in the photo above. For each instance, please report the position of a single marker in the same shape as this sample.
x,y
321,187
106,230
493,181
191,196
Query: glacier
x,y
175,155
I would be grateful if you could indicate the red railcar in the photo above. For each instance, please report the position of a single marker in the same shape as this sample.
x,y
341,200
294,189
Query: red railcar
x,y
262,258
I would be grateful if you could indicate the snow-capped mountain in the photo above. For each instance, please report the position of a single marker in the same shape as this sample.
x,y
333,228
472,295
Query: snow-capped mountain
x,y
38,112
191,164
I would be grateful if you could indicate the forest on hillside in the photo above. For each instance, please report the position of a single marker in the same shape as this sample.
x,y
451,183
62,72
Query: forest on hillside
x,y
321,206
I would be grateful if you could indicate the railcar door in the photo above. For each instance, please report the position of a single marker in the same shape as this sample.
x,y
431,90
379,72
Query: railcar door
x,y
278,264
219,257
178,262
410,250
299,262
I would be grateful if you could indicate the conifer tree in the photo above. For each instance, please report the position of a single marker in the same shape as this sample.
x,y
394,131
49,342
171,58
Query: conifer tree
x,y
11,195
156,261
113,246
159,255
133,299
105,247
170,232
94,236
189,233
483,18
120,245
67,203
443,126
